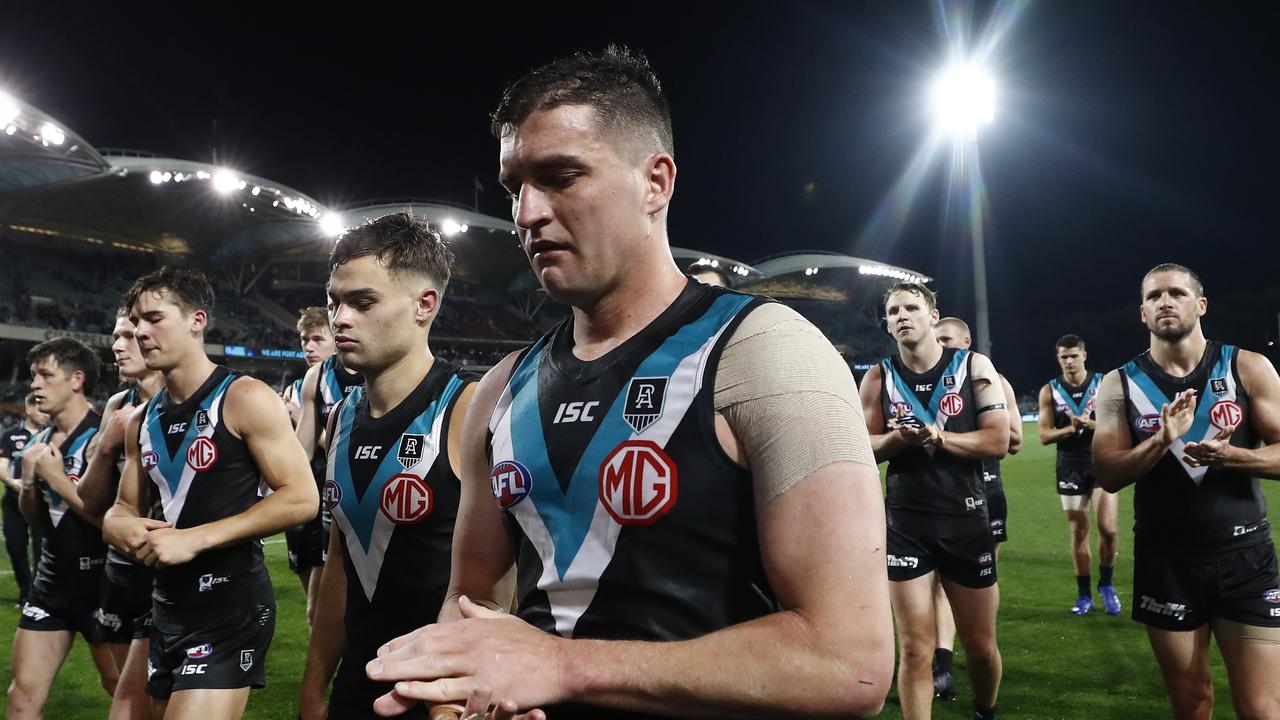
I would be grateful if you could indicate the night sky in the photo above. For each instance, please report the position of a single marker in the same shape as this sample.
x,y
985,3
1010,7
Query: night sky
x,y
1127,133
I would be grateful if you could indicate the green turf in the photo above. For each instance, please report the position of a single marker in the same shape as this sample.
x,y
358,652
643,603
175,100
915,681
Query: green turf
x,y
1056,665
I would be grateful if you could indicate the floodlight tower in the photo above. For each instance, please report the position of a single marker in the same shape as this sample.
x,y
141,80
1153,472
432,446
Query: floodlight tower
x,y
963,100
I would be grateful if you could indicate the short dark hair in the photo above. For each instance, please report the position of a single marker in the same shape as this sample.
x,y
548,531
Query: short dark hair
x,y
71,355
929,296
312,318
1070,341
618,83
188,289
401,242
1196,284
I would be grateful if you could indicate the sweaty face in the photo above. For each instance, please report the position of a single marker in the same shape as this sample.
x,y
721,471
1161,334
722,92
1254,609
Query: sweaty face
x,y
1071,359
950,336
1171,309
53,385
378,316
909,317
124,346
577,201
165,333
317,344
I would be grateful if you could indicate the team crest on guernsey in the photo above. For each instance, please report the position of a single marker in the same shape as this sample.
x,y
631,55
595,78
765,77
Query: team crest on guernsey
x,y
201,419
645,399
511,483
1218,386
410,452
949,382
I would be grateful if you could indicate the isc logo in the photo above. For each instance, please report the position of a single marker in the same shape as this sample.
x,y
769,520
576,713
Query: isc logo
x,y
406,499
576,412
193,669
176,428
638,483
367,452
511,483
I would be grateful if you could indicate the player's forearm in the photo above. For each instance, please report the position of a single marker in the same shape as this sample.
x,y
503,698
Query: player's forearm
x,y
1049,436
97,486
1118,469
289,505
324,650
783,664
1262,462
67,490
887,445
30,505
982,443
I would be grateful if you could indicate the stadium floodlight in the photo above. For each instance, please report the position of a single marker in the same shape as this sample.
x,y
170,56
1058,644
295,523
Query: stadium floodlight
x,y
450,227
224,181
52,134
156,177
963,98
8,109
331,224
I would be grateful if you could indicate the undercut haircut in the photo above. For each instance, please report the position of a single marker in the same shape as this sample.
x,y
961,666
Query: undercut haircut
x,y
1070,341
71,355
188,289
918,289
402,243
618,84
1196,284
962,325
313,318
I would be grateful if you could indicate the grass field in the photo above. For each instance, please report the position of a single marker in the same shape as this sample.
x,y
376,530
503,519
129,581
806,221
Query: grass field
x,y
1055,665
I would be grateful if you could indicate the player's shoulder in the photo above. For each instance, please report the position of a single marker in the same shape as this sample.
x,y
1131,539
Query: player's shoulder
x,y
1254,369
484,392
245,393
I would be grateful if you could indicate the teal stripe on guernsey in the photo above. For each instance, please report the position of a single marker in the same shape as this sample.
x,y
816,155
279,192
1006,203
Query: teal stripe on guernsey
x,y
567,514
77,444
926,414
43,437
362,511
1158,399
330,376
1077,408
171,467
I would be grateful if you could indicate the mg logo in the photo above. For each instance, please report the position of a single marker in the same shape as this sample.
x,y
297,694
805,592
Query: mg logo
x,y
638,483
951,404
406,499
1225,414
331,495
202,454
511,483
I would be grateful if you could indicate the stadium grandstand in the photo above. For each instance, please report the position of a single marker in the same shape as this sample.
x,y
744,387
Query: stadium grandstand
x,y
78,224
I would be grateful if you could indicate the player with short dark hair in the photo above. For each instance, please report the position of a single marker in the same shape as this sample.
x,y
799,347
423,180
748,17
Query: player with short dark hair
x,y
393,464
1067,417
64,594
203,446
17,534
671,499
935,413
1183,423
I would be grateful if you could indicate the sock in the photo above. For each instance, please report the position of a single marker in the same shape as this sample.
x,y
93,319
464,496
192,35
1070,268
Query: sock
x,y
1104,573
1082,586
942,660
980,713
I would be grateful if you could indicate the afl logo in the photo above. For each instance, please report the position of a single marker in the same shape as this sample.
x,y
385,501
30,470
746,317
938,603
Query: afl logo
x,y
1149,423
149,459
1091,406
951,404
901,409
331,495
1272,595
406,499
638,483
1225,414
200,651
202,454
511,483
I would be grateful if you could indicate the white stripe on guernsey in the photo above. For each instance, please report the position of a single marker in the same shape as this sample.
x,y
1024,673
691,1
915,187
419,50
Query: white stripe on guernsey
x,y
570,596
961,376
1179,446
369,565
174,502
1057,396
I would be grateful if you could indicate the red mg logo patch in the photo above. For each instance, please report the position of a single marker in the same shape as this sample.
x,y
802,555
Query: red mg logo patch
x,y
202,454
406,499
951,404
638,483
1225,414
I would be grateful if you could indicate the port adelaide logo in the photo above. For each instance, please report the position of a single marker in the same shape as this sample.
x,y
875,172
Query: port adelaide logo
x,y
645,399
410,452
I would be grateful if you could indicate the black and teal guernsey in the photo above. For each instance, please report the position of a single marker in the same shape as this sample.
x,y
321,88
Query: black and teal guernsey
x,y
71,544
203,473
930,490
1194,509
1080,401
394,499
335,382
629,520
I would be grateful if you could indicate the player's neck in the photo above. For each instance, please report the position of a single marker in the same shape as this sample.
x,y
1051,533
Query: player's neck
x,y
184,379
1179,357
625,310
1076,377
920,356
31,426
71,416
148,385
388,388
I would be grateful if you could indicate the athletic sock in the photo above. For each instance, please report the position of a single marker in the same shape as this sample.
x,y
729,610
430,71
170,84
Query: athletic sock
x,y
1104,574
1082,586
942,660
981,713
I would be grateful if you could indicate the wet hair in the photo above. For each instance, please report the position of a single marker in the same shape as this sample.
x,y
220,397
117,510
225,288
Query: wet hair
x,y
188,289
1070,341
401,242
71,355
313,318
917,289
1196,284
617,83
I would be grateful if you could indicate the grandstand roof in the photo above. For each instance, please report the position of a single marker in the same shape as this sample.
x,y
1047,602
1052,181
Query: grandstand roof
x,y
737,271
809,275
